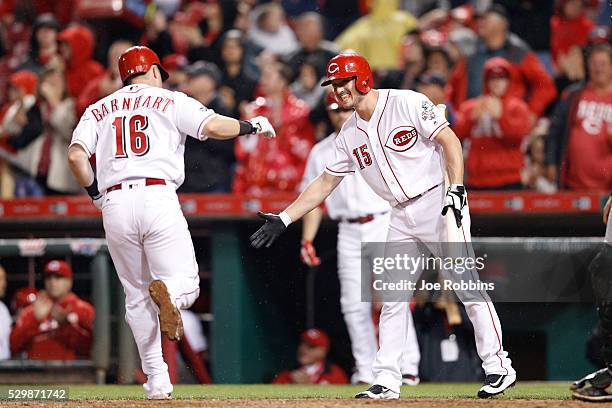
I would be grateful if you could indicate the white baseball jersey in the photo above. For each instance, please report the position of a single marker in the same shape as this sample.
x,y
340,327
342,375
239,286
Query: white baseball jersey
x,y
394,151
353,197
140,131
5,332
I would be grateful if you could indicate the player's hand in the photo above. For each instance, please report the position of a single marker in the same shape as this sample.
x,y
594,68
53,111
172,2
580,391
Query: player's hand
x,y
263,127
308,254
42,307
268,233
456,199
98,200
598,379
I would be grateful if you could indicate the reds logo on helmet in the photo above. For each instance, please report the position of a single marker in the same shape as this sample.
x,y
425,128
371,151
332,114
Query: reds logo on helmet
x,y
350,65
402,138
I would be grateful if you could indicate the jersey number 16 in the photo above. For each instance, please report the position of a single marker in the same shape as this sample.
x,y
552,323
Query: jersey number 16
x,y
134,131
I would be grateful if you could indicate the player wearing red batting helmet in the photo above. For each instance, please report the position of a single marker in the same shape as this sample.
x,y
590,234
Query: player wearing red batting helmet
x,y
351,78
393,140
138,60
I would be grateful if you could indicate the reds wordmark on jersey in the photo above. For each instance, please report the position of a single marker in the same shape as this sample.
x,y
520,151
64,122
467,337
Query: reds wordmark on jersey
x,y
140,131
398,140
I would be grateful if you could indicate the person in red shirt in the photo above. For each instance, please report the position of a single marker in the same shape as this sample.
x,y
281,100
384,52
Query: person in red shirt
x,y
569,28
314,367
530,80
580,138
107,83
76,49
495,124
278,164
58,325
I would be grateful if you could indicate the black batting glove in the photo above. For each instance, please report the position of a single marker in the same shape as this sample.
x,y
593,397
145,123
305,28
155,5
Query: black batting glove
x,y
268,233
456,199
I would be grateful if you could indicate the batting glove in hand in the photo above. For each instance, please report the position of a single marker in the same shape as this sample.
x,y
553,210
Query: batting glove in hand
x,y
308,254
268,233
456,199
98,200
598,379
263,126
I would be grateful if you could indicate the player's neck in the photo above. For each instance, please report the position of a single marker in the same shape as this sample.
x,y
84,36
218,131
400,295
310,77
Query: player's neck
x,y
365,108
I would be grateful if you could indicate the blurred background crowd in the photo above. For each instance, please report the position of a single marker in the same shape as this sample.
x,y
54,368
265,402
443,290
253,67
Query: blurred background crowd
x,y
528,84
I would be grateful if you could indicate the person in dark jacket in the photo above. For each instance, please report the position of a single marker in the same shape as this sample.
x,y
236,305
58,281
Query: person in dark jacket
x,y
43,44
530,80
209,162
580,137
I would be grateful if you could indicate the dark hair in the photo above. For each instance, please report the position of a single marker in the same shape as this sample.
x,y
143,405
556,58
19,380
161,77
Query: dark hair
x,y
44,20
285,72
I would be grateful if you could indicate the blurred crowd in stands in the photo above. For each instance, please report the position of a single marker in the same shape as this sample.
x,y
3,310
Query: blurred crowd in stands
x,y
528,85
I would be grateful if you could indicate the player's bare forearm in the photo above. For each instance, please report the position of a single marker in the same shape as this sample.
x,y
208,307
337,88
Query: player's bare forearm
x,y
78,160
221,127
313,195
311,223
453,154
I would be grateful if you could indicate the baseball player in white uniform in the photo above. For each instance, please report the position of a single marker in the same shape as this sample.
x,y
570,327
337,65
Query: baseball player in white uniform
x,y
363,217
5,320
138,137
395,140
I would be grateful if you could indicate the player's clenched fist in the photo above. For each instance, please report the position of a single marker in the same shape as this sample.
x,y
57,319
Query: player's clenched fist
x,y
268,233
308,254
456,199
263,126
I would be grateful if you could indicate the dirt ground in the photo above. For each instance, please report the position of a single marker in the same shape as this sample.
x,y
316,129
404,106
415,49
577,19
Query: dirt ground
x,y
308,403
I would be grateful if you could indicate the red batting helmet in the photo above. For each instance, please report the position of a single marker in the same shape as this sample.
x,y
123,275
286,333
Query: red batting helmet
x,y
348,66
138,60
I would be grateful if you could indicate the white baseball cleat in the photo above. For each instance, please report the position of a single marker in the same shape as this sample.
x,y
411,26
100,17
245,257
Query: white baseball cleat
x,y
378,392
496,384
158,387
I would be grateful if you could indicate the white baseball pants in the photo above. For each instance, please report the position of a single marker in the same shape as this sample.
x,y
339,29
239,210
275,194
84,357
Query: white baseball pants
x,y
420,221
358,314
148,239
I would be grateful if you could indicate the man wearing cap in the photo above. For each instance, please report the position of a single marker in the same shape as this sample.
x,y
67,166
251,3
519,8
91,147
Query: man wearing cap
x,y
363,217
530,80
5,320
313,365
138,135
58,325
402,146
208,166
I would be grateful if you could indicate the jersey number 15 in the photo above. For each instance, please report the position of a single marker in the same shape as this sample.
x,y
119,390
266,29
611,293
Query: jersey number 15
x,y
134,131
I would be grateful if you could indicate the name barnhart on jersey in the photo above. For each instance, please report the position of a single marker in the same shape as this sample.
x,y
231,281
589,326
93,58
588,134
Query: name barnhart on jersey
x,y
446,284
100,110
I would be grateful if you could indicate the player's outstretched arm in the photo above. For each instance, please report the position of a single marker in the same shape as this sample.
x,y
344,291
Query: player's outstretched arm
x,y
223,127
456,195
78,160
311,197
